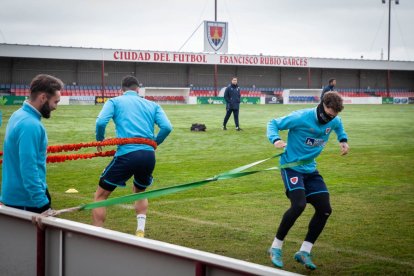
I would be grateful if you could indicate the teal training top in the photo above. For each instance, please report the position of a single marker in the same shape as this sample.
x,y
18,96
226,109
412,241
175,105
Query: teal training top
x,y
306,136
134,117
24,160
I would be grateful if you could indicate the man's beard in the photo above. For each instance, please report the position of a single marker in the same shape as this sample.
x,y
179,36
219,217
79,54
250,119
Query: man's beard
x,y
45,110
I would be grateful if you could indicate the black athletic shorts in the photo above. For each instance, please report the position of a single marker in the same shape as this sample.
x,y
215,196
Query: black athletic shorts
x,y
139,164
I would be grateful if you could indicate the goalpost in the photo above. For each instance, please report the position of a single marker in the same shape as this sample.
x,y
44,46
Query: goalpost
x,y
301,96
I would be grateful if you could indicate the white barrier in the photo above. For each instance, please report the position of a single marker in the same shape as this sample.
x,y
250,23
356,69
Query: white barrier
x,y
192,100
56,246
64,100
362,100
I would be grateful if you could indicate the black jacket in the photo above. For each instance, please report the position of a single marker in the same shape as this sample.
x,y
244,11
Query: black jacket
x,y
327,89
232,97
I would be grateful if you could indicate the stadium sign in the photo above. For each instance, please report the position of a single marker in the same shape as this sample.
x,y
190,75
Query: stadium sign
x,y
77,53
400,100
101,100
201,58
12,100
274,100
387,100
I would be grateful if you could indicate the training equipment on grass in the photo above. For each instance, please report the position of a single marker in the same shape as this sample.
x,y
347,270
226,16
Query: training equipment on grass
x,y
235,173
198,127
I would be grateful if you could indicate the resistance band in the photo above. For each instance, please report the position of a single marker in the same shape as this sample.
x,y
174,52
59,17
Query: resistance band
x,y
235,173
55,158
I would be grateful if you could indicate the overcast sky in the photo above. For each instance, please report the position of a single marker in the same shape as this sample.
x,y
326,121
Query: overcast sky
x,y
308,28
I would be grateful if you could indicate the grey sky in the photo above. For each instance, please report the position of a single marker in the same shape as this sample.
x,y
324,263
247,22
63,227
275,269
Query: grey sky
x,y
308,28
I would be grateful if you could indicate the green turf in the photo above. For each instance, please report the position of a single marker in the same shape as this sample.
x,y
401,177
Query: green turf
x,y
369,232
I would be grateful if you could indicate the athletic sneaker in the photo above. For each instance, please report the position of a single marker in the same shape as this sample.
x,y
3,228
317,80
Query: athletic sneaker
x,y
238,129
224,128
275,255
139,233
305,259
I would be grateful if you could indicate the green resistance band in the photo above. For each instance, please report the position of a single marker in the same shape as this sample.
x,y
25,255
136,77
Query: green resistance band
x,y
235,173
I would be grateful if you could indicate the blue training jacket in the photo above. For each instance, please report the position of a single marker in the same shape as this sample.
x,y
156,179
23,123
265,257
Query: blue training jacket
x,y
232,97
327,89
134,117
24,160
306,137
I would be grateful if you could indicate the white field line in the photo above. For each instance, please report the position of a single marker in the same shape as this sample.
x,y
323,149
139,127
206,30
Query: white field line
x,y
229,227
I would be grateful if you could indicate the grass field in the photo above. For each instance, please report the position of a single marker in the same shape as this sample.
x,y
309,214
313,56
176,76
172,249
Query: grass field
x,y
371,230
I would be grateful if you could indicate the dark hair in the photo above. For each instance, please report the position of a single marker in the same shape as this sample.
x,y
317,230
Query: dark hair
x,y
333,100
234,78
45,83
331,80
129,82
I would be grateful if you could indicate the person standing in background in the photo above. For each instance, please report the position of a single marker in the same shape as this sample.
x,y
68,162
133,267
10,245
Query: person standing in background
x,y
330,87
232,99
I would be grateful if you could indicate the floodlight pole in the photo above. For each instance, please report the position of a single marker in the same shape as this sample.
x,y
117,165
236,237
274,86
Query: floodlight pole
x,y
215,65
215,10
389,42
389,28
103,78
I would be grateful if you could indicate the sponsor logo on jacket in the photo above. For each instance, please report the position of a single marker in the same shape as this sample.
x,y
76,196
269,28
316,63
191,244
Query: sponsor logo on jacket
x,y
313,142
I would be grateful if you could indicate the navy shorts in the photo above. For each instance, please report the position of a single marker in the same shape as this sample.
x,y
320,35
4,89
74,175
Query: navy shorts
x,y
312,183
139,164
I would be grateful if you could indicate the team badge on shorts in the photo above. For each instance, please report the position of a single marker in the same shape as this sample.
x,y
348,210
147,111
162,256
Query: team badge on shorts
x,y
327,130
294,180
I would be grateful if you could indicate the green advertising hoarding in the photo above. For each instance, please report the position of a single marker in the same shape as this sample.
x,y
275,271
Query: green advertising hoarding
x,y
220,100
12,100
387,100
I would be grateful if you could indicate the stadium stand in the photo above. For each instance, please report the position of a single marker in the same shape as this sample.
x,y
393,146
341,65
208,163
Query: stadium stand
x,y
303,99
166,99
113,91
69,90
355,92
91,90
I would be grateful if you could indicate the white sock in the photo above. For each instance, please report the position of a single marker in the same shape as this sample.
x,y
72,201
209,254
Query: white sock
x,y
306,246
277,243
141,222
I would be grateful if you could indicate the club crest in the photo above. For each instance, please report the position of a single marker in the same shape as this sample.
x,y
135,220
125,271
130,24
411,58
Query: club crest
x,y
294,180
327,130
216,34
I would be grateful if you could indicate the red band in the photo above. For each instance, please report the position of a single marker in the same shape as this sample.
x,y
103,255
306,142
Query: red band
x,y
76,147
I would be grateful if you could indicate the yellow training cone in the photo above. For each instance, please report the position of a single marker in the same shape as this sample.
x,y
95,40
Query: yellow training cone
x,y
72,191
